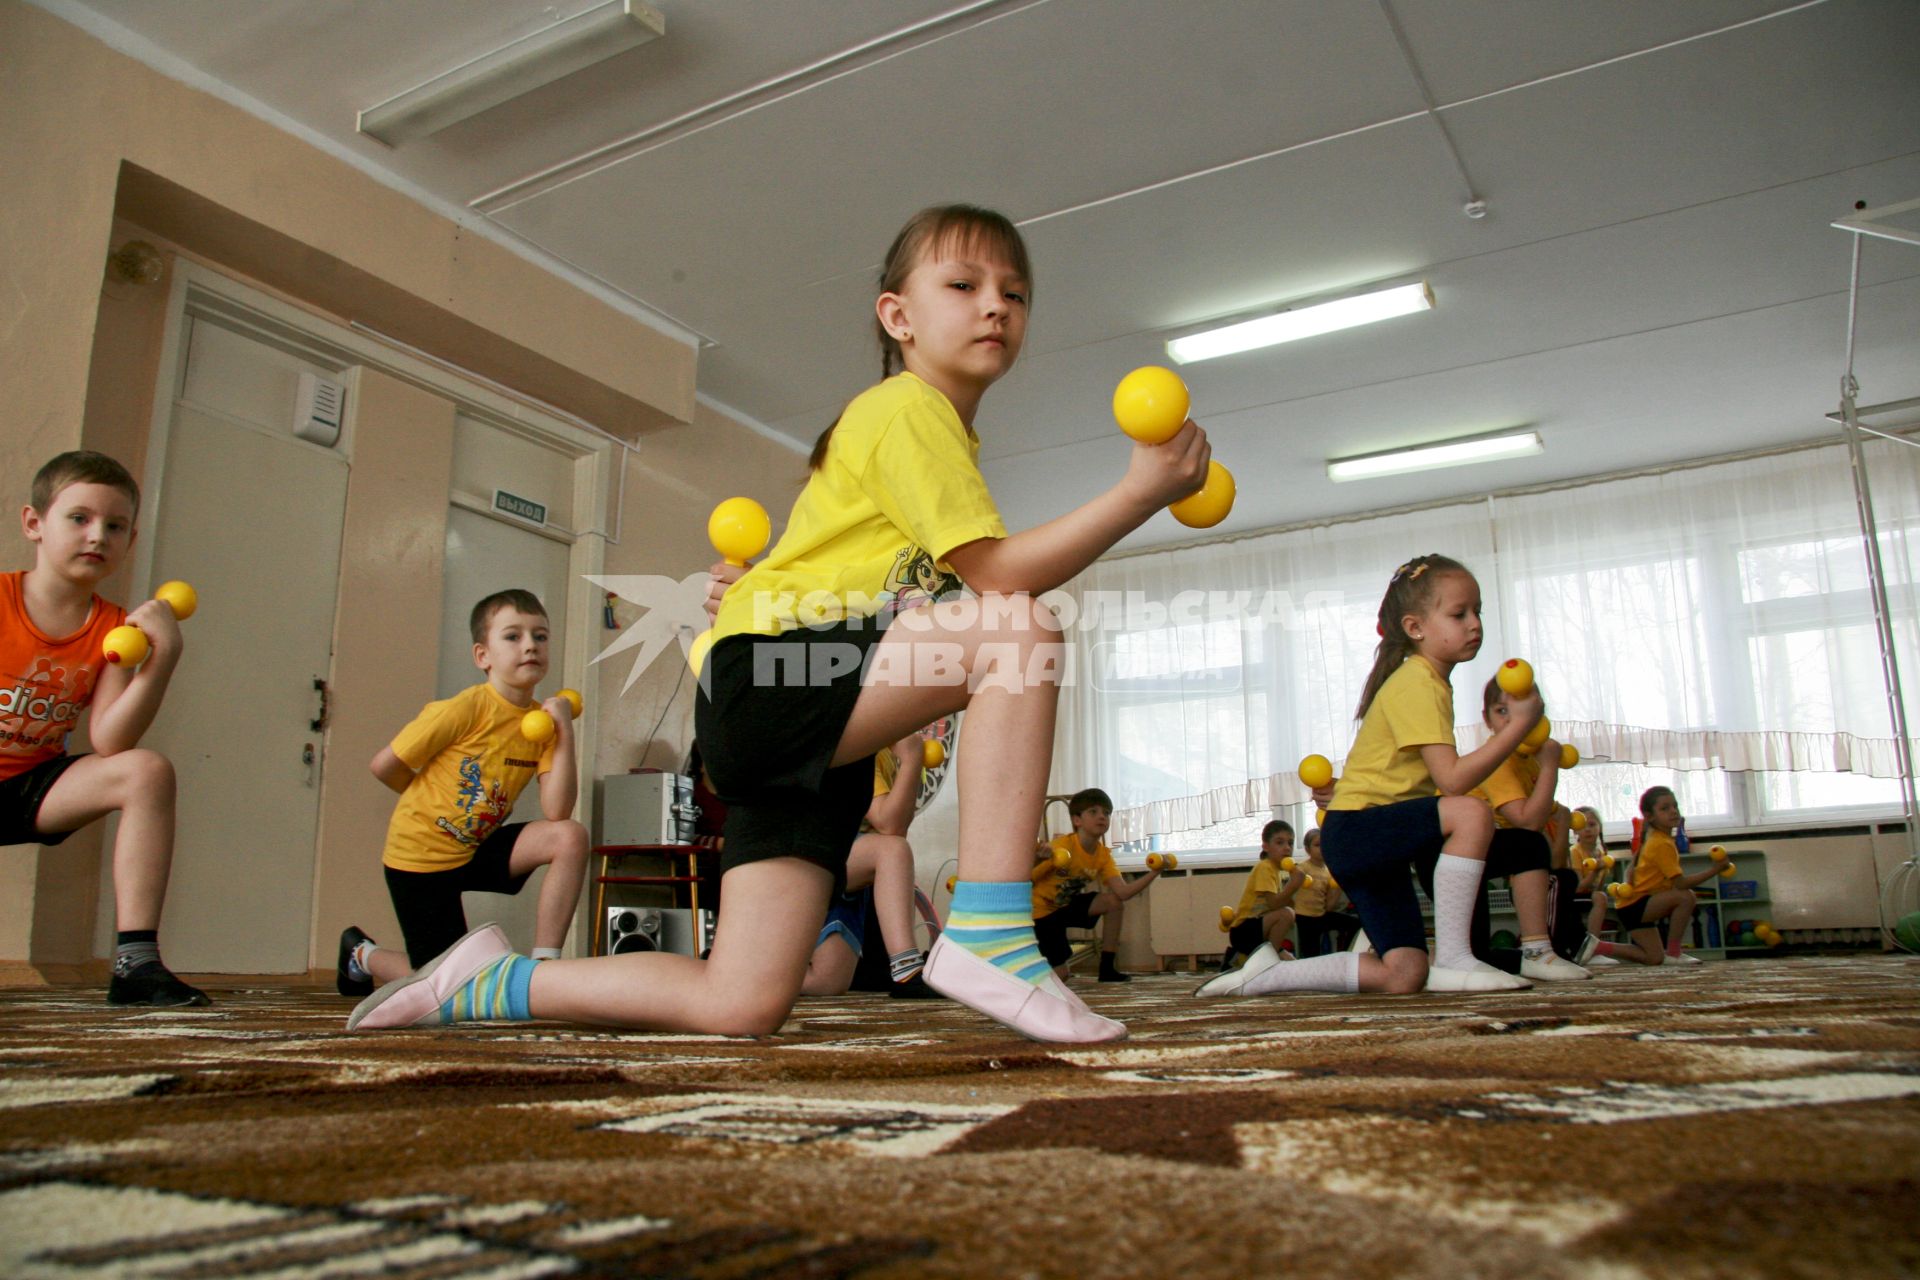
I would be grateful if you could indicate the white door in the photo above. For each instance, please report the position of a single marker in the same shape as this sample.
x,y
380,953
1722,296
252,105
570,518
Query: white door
x,y
485,555
252,518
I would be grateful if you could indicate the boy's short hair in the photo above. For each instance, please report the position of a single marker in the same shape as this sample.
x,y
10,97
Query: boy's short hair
x,y
1274,828
1650,797
512,598
1085,800
81,466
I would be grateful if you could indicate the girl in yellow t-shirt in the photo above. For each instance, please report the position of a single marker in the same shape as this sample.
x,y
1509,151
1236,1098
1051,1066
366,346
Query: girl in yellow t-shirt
x,y
841,641
1402,804
1657,890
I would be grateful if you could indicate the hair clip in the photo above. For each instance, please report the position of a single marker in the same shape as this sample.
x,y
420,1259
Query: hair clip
x,y
1380,629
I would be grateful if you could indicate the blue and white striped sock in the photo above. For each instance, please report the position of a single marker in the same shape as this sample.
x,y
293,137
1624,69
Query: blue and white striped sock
x,y
994,920
498,993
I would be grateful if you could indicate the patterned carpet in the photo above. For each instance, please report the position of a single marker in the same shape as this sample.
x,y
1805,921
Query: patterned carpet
x,y
1755,1118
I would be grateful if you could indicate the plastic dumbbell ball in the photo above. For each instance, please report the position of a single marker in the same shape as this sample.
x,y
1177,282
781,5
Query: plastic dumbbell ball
x,y
128,646
1578,821
951,881
739,529
1211,504
1320,818
1151,404
1288,864
1607,860
1718,853
179,597
1617,891
1569,757
1062,859
1332,884
1162,861
1726,872
1226,919
575,701
1588,864
125,646
936,753
1515,677
1315,771
1542,729
537,726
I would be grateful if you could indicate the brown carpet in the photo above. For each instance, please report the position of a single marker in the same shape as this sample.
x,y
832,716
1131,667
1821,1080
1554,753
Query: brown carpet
x,y
1756,1118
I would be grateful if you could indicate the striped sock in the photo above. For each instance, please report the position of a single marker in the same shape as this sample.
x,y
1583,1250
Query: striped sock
x,y
135,948
498,993
904,964
360,959
994,920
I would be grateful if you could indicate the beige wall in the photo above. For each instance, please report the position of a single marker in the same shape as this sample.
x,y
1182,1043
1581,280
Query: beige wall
x,y
115,150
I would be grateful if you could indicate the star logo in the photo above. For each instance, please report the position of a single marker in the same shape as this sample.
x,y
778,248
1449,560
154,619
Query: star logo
x,y
674,610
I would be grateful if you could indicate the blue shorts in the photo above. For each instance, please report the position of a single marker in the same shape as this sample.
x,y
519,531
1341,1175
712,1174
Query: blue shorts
x,y
1373,853
847,917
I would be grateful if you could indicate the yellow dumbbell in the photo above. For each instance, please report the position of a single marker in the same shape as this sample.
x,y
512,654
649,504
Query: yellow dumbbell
x,y
739,529
1162,861
1151,405
1315,771
936,753
1535,736
1578,821
1062,859
951,881
537,726
1226,919
1288,864
1588,864
1617,891
1726,872
127,645
1515,677
1569,757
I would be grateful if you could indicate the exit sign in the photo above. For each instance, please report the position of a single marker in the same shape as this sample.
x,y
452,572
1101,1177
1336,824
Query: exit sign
x,y
512,504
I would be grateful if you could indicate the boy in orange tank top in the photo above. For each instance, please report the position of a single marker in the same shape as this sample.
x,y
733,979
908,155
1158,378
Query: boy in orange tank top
x,y
52,625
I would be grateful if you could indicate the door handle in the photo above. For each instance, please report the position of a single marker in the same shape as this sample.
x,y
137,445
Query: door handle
x,y
319,723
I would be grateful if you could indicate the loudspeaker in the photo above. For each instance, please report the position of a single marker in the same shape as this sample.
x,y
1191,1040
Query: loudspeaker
x,y
688,933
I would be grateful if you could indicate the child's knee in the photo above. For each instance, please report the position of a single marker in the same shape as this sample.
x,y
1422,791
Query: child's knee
x,y
1406,973
144,775
753,1014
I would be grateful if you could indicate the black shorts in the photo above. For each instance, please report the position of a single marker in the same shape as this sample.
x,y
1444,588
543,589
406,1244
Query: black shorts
x,y
1248,935
1633,915
1051,929
1373,853
1323,933
21,797
428,902
768,716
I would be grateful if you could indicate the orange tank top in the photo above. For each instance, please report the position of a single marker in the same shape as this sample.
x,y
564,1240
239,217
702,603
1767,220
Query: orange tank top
x,y
45,681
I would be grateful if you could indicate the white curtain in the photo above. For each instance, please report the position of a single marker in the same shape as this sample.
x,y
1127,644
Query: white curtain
x,y
1713,618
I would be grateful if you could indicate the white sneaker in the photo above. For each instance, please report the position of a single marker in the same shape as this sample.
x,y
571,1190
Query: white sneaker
x,y
1481,977
1230,982
1602,962
1551,968
1683,958
1584,953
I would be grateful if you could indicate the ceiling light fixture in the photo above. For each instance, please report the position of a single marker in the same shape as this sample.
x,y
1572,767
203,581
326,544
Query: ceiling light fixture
x,y
521,67
1448,453
1302,322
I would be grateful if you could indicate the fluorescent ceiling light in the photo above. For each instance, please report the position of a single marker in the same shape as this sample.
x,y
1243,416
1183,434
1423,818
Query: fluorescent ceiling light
x,y
511,70
1449,453
1302,322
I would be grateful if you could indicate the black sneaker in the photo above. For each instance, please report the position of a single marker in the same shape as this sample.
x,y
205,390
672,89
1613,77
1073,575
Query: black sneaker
x,y
1114,975
343,980
914,988
154,985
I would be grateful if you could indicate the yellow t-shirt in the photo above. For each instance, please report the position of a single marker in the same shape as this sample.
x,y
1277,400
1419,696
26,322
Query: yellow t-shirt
x,y
1512,779
900,488
1656,867
1311,898
1413,709
470,764
1085,873
886,767
1262,882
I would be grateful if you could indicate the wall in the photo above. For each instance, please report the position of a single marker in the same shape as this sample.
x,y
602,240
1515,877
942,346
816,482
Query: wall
x,y
107,139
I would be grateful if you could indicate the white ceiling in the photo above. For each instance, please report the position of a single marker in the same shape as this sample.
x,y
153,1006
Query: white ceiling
x,y
1656,278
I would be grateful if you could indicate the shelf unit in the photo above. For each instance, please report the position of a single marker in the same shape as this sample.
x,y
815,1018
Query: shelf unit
x,y
1717,909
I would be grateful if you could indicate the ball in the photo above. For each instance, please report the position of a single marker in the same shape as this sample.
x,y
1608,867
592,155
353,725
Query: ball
x,y
1569,757
951,881
537,726
179,597
1907,931
125,646
1288,864
739,529
1151,404
936,753
1718,853
1212,504
1504,940
1515,677
1607,860
575,701
1535,736
1316,771
1226,919
1062,859
1320,818
1726,872
1578,821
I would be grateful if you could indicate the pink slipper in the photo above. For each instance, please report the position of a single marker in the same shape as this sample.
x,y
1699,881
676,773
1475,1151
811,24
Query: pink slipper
x,y
415,1000
1047,1012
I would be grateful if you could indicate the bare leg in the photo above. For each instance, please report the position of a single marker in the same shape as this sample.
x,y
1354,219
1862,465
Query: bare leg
x,y
140,785
561,847
746,987
830,971
1530,902
1646,948
1402,971
1277,924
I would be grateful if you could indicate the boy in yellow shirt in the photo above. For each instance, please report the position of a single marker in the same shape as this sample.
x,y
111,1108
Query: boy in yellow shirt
x,y
1066,897
458,768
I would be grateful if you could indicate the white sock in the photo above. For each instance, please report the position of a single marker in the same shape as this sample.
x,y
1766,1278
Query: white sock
x,y
1536,948
360,961
1337,972
1456,888
546,953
